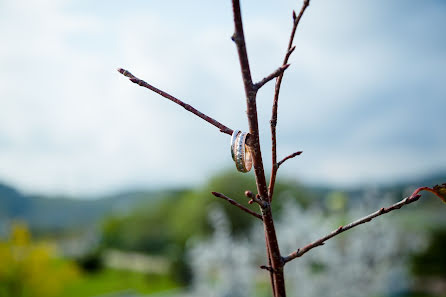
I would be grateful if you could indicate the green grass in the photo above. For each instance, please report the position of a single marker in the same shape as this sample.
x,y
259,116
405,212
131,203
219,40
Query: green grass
x,y
109,281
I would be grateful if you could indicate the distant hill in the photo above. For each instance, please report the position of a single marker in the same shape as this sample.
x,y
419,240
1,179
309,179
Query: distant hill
x,y
61,213
398,188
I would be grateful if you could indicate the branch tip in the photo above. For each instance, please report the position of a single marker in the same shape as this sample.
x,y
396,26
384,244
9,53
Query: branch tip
x,y
290,49
289,157
186,106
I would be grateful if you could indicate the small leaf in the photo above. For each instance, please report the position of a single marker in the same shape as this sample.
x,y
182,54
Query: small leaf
x,y
440,191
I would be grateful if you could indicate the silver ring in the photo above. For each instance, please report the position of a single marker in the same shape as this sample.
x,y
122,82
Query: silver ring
x,y
233,138
243,160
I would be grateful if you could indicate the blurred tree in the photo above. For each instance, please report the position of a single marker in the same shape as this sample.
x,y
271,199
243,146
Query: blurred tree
x,y
165,227
173,220
29,269
226,266
432,261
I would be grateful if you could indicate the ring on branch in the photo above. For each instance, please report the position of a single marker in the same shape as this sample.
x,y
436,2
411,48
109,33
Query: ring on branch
x,y
243,158
233,138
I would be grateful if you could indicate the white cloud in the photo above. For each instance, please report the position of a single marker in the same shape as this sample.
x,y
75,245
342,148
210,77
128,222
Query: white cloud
x,y
69,123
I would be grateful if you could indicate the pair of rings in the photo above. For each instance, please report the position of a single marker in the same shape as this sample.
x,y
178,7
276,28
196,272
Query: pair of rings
x,y
240,151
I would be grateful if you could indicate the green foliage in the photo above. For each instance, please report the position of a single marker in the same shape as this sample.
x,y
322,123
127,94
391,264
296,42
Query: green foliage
x,y
29,269
432,262
111,281
49,215
165,227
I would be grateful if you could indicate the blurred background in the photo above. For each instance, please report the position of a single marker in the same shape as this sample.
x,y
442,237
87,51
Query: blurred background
x,y
105,186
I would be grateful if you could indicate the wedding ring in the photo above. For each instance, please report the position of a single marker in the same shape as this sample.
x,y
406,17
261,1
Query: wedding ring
x,y
243,159
233,138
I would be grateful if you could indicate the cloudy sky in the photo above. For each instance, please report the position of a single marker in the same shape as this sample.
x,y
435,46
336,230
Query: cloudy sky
x,y
365,97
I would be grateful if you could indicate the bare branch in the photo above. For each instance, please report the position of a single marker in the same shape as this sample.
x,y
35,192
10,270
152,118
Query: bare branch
x,y
274,257
250,93
219,195
273,122
289,157
273,75
144,84
412,198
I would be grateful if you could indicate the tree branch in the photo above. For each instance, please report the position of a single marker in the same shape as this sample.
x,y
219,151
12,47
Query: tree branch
x,y
219,195
189,108
250,92
412,198
273,122
275,74
289,157
272,246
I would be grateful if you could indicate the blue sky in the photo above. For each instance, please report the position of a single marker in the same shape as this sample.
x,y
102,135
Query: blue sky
x,y
364,98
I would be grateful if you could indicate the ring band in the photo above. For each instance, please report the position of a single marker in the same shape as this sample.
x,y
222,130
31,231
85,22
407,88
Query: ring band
x,y
243,160
233,139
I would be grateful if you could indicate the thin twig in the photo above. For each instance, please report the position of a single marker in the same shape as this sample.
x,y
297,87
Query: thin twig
x,y
269,268
219,195
299,252
273,75
289,157
273,122
144,84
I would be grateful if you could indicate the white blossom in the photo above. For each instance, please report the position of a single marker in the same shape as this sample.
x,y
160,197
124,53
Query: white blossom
x,y
366,261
